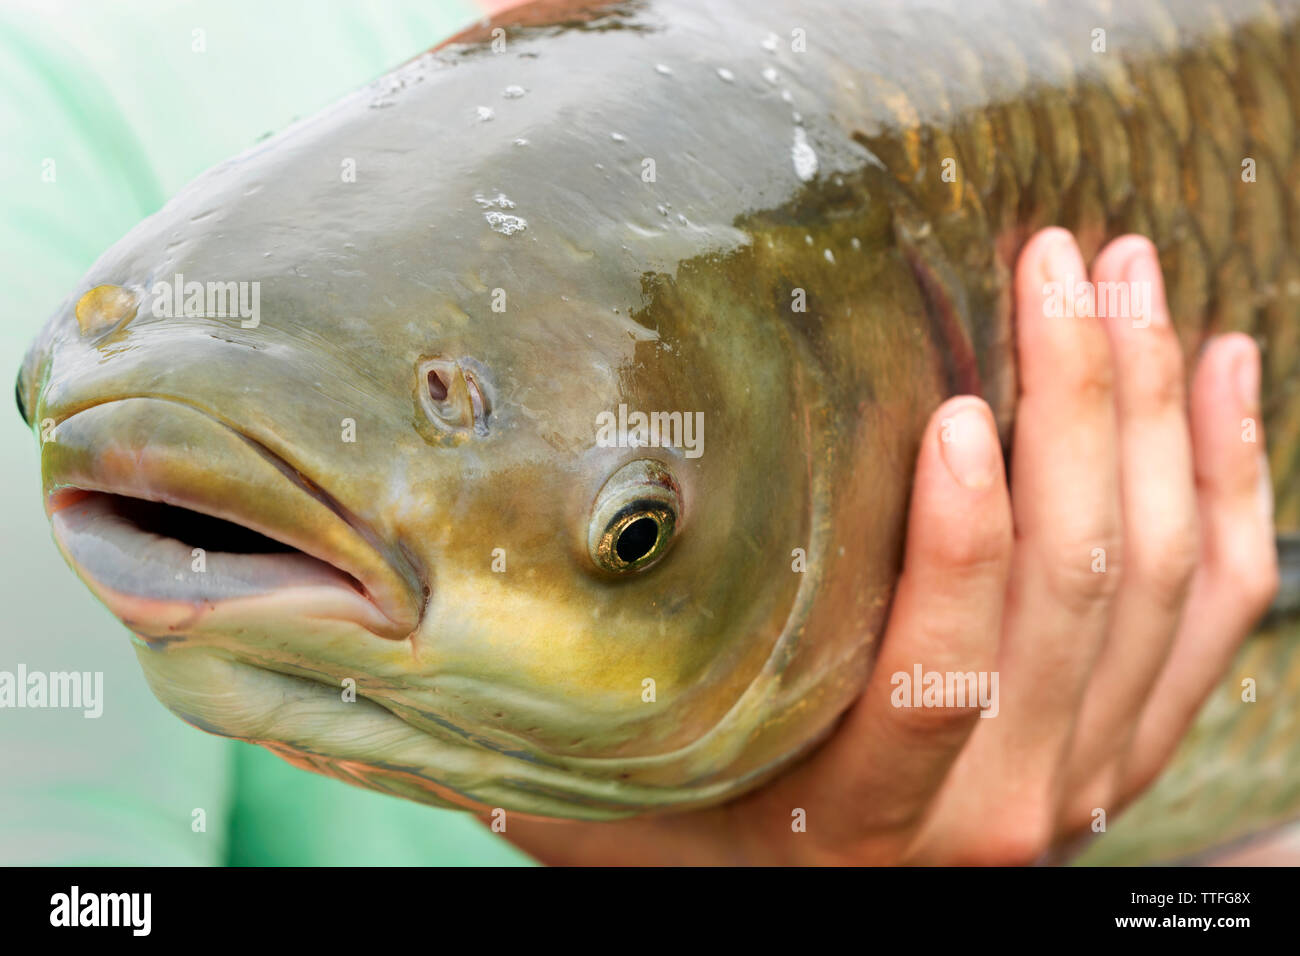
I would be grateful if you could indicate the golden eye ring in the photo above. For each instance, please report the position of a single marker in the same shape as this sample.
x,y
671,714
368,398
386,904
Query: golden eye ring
x,y
635,518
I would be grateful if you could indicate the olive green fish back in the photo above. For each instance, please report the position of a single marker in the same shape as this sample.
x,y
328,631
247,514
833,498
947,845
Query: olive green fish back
x,y
1177,120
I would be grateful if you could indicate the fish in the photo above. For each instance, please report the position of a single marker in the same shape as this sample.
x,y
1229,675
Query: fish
x,y
534,428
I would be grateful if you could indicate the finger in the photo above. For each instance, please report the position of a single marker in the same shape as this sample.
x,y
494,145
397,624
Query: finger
x,y
1065,498
1159,514
1237,575
890,755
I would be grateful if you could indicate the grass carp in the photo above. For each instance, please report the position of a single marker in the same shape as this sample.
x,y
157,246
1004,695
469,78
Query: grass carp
x,y
534,428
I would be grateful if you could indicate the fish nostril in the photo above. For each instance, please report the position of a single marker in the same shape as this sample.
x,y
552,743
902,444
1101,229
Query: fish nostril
x,y
451,397
105,307
437,387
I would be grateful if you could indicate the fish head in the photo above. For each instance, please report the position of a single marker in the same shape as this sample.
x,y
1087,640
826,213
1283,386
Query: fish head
x,y
442,482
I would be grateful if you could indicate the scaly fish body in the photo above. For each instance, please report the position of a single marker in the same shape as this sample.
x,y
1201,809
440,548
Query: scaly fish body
x,y
794,222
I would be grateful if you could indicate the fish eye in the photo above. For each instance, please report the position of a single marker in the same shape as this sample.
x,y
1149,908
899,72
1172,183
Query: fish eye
x,y
635,517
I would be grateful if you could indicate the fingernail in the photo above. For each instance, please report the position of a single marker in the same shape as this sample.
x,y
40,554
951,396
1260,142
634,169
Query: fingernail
x,y
969,447
1146,287
1061,260
1246,374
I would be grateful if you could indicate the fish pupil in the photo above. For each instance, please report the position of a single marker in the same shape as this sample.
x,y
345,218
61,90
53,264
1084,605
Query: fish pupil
x,y
637,539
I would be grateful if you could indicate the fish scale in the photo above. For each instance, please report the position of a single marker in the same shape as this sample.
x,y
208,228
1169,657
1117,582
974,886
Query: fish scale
x,y
1153,142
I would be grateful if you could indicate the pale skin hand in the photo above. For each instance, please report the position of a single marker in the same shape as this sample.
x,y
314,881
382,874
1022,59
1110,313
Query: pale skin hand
x,y
1100,673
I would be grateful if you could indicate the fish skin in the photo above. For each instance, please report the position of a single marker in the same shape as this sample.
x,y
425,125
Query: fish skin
x,y
907,279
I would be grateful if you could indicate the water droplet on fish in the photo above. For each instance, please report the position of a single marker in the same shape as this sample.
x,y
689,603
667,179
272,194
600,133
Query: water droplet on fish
x,y
726,74
807,240
663,210
797,117
769,42
618,137
830,256
771,75
663,70
505,223
521,141
785,95
801,153
681,219
855,242
485,114
513,92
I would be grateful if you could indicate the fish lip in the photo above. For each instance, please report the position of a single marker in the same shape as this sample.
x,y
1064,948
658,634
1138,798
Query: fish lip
x,y
387,581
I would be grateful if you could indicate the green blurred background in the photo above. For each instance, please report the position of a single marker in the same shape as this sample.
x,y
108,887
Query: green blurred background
x,y
129,110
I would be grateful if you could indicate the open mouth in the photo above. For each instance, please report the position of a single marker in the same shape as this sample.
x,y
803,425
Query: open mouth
x,y
139,546
148,559
169,543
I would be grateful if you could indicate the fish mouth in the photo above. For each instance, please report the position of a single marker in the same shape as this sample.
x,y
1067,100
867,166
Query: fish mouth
x,y
173,517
